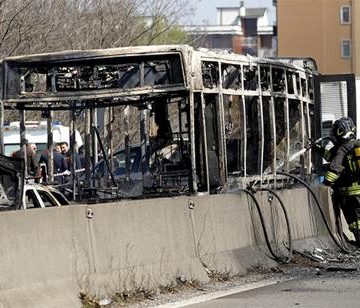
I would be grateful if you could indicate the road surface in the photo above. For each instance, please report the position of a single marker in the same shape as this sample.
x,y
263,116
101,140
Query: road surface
x,y
328,289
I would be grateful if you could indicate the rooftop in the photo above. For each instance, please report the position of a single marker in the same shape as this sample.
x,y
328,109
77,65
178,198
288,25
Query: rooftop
x,y
249,12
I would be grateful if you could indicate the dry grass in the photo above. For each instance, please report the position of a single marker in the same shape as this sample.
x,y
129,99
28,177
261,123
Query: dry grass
x,y
140,294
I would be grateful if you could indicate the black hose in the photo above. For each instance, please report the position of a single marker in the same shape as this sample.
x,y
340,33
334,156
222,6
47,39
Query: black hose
x,y
290,248
276,258
342,248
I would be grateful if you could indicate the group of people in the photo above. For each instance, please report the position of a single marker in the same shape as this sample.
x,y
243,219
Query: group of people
x,y
343,173
61,159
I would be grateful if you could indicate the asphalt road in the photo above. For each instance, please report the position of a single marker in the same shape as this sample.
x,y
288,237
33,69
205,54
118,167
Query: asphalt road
x,y
323,289
319,278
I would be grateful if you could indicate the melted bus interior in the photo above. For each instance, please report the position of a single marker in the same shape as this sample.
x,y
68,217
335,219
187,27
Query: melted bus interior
x,y
186,121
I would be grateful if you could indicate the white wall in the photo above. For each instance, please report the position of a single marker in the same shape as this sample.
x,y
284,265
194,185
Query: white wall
x,y
264,20
228,17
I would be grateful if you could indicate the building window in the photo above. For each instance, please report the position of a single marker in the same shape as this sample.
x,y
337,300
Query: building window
x,y
346,48
345,15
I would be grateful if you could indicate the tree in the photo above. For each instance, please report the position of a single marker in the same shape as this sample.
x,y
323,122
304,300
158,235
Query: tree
x,y
37,26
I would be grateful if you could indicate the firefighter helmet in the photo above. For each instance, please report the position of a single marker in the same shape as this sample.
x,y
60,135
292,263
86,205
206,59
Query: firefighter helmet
x,y
344,128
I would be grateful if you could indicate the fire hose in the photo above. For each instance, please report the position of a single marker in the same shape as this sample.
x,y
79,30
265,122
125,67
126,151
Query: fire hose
x,y
317,202
262,221
342,245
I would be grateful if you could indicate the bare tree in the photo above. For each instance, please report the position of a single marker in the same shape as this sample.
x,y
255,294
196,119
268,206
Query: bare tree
x,y
33,26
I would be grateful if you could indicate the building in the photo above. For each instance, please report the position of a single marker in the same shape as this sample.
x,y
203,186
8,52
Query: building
x,y
326,30
238,29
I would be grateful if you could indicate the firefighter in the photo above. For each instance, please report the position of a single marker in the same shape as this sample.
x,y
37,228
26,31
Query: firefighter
x,y
343,174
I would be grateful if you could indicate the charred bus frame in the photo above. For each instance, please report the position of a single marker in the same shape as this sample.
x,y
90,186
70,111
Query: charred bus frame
x,y
238,119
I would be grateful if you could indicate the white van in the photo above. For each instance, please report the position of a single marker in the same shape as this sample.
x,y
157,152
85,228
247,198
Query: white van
x,y
36,132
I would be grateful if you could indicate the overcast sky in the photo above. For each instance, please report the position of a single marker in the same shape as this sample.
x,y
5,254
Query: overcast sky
x,y
205,10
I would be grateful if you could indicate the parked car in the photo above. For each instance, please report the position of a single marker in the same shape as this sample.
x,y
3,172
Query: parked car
x,y
41,196
16,194
119,163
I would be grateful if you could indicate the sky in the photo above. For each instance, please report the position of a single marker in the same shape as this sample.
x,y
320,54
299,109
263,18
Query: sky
x,y
205,10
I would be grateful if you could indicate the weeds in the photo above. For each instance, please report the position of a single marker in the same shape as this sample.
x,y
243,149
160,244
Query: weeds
x,y
221,276
140,294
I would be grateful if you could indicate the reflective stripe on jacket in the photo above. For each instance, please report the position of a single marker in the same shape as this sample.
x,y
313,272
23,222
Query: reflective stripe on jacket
x,y
354,225
343,171
352,190
331,177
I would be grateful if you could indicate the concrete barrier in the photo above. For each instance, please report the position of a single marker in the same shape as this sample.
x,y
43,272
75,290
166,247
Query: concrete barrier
x,y
48,255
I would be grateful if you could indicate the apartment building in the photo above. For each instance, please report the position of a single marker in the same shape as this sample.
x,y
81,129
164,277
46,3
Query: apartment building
x,y
239,29
326,30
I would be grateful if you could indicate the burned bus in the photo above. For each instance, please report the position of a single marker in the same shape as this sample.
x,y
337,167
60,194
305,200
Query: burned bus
x,y
178,120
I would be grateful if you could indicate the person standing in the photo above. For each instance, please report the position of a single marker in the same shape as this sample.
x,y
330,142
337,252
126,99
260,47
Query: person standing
x,y
31,160
343,174
60,164
57,148
64,146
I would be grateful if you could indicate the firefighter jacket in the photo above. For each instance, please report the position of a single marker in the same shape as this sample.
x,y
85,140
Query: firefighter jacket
x,y
344,170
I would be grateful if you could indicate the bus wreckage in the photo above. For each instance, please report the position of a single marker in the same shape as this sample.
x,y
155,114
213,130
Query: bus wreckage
x,y
178,120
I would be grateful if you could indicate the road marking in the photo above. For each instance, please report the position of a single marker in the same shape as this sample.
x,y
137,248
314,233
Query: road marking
x,y
215,295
